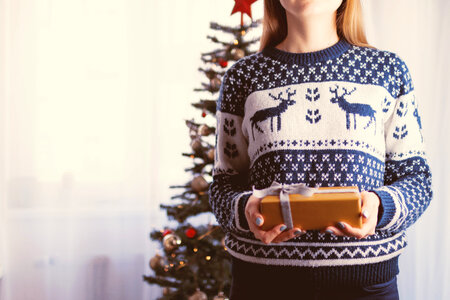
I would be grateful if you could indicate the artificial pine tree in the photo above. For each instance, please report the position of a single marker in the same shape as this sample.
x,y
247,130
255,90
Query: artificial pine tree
x,y
193,263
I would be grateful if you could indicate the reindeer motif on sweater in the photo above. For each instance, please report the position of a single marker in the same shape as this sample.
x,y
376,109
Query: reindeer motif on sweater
x,y
272,112
361,109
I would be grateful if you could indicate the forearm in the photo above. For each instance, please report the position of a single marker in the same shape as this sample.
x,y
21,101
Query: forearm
x,y
228,199
406,194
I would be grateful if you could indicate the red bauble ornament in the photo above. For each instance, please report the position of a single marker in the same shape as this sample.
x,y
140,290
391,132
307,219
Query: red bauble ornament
x,y
223,63
203,114
190,232
166,232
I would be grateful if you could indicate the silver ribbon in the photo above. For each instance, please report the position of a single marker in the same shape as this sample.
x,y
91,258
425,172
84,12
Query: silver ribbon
x,y
284,190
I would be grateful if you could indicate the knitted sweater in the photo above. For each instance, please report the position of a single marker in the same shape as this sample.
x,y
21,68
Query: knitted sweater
x,y
342,116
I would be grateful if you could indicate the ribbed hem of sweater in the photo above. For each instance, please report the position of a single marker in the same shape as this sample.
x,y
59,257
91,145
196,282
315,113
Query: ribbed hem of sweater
x,y
308,57
324,277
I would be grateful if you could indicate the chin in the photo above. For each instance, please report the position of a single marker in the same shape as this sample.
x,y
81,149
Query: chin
x,y
310,7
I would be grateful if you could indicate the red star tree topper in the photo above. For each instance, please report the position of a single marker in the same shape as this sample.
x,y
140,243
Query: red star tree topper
x,y
244,7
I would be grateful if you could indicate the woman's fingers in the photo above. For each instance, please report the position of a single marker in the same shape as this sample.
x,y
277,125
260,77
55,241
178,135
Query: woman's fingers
x,y
333,230
255,220
344,229
365,213
268,236
358,233
288,234
369,212
369,206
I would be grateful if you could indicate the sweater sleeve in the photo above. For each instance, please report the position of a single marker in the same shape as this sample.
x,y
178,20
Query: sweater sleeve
x,y
229,190
407,189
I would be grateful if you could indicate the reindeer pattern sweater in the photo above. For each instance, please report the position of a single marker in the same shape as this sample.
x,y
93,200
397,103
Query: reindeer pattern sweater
x,y
345,115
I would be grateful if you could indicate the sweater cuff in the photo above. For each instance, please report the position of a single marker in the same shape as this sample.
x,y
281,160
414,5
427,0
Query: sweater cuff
x,y
386,210
239,214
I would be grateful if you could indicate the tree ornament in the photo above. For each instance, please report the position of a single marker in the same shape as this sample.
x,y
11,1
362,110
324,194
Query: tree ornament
x,y
198,295
199,184
190,232
210,73
215,83
237,53
171,242
222,62
204,130
196,145
244,7
166,291
210,154
157,262
220,296
166,232
192,133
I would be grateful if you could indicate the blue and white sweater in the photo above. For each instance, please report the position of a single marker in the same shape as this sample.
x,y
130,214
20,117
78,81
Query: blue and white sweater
x,y
345,115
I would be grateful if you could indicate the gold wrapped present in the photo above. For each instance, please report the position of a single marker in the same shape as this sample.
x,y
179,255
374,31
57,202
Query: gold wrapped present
x,y
309,208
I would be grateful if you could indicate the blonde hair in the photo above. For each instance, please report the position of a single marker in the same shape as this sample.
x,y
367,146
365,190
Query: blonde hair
x,y
349,23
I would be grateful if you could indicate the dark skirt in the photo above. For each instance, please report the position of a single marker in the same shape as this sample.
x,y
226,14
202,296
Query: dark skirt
x,y
259,282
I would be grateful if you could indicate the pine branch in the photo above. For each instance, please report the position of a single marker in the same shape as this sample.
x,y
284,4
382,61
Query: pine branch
x,y
235,30
216,40
197,168
213,53
161,281
182,212
210,73
209,105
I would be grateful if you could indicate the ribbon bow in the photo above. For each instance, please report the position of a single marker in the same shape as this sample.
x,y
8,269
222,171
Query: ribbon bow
x,y
283,191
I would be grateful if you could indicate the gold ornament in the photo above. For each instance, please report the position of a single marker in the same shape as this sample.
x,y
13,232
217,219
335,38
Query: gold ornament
x,y
215,83
198,295
196,145
192,133
171,241
157,262
220,296
166,291
237,53
199,184
204,130
210,154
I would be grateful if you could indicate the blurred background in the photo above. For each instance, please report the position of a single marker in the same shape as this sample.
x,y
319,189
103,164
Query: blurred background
x,y
93,98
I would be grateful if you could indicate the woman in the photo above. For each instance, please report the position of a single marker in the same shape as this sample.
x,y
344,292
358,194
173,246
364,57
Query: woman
x,y
318,105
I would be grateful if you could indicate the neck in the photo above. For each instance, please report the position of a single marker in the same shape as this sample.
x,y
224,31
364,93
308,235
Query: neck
x,y
309,33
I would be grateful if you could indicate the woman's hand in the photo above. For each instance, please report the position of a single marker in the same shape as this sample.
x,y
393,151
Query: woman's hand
x,y
369,212
255,220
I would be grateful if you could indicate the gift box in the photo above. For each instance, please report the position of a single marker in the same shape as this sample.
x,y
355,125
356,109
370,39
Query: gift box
x,y
310,208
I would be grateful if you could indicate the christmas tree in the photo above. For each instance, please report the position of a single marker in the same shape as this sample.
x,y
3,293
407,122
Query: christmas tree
x,y
193,262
